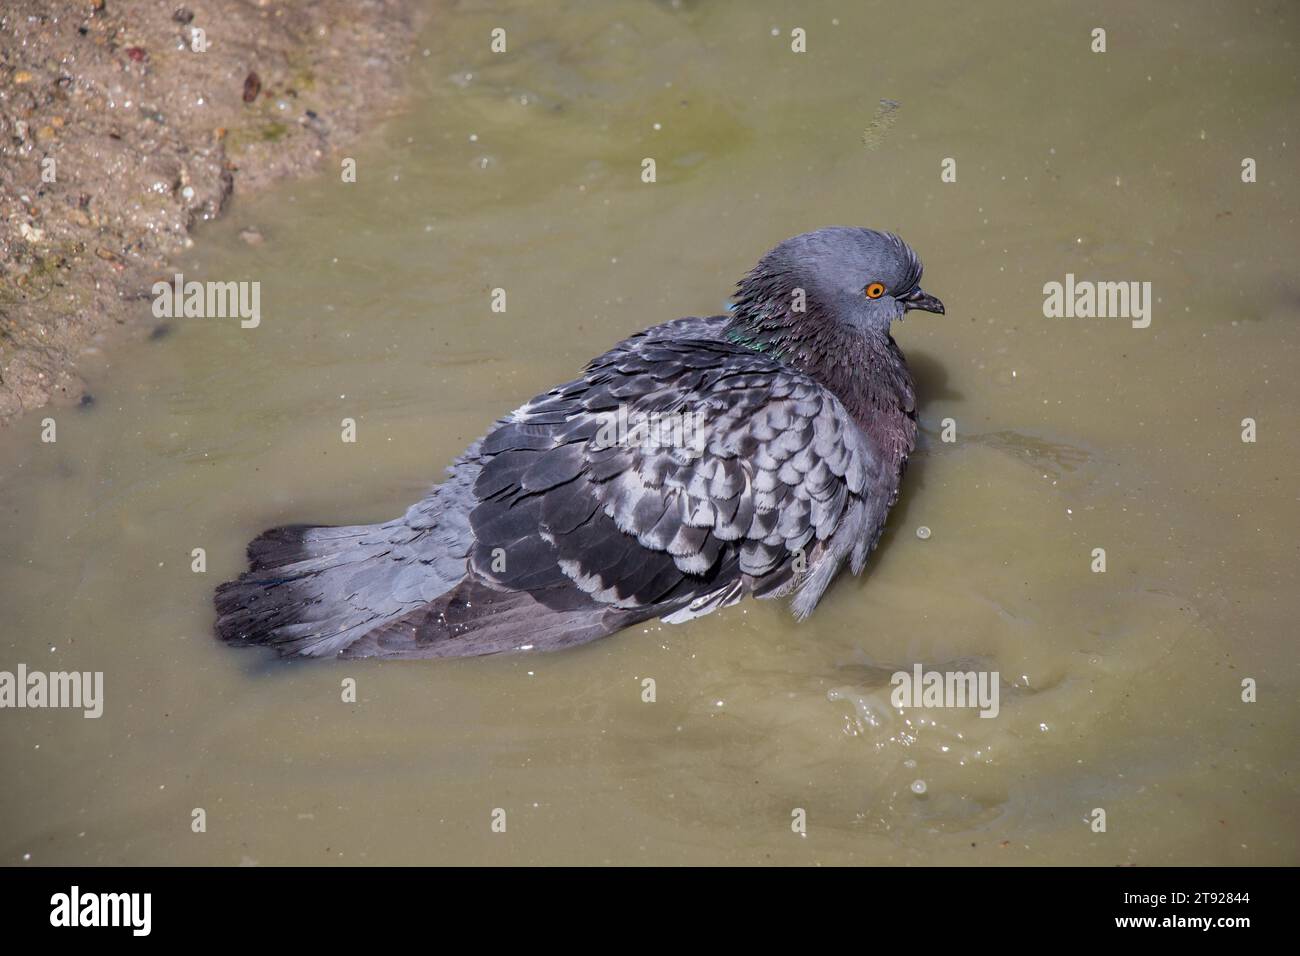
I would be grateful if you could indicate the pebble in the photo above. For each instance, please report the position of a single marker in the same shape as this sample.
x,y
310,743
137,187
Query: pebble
x,y
923,532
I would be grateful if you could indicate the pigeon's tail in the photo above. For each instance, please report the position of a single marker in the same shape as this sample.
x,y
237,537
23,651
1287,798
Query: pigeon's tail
x,y
321,591
314,591
475,618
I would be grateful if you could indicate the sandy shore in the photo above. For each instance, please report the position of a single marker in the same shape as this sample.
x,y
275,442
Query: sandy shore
x,y
126,123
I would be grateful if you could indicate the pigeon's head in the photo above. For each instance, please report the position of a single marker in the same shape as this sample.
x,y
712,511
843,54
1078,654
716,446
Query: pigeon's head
x,y
842,276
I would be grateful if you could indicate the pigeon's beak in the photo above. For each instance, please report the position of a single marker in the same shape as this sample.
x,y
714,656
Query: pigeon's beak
x,y
920,299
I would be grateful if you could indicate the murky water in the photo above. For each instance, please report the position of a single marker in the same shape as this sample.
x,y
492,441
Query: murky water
x,y
1120,690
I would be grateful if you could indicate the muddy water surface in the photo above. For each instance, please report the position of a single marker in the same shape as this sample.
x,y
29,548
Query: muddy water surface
x,y
1120,690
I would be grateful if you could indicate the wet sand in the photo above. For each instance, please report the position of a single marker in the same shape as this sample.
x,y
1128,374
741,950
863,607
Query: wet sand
x,y
127,123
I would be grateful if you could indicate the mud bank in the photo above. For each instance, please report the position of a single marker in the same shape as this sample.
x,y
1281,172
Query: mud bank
x,y
126,123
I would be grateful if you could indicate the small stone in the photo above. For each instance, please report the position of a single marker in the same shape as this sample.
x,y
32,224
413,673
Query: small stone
x,y
923,532
252,236
918,787
22,76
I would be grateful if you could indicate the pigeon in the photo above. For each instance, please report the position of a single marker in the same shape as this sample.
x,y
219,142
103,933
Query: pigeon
x,y
694,463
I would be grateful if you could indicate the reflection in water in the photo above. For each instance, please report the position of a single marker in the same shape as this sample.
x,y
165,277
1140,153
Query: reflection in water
x,y
1054,457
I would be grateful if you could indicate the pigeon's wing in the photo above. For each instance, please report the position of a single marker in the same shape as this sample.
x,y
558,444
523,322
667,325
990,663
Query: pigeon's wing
x,y
673,477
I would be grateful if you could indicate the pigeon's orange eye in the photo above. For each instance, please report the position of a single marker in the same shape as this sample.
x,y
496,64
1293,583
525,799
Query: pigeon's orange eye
x,y
875,290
